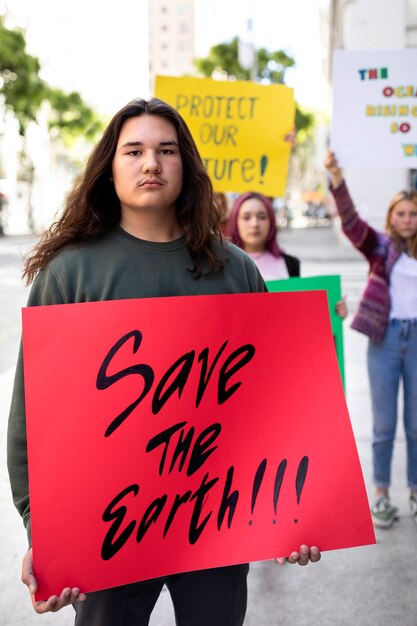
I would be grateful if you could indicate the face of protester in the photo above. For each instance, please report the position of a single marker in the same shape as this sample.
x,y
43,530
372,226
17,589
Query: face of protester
x,y
253,225
147,170
403,219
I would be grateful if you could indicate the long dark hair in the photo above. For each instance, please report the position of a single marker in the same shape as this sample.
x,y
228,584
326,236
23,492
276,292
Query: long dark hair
x,y
92,207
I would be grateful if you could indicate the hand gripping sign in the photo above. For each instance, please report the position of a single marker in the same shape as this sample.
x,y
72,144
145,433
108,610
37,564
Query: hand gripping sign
x,y
173,434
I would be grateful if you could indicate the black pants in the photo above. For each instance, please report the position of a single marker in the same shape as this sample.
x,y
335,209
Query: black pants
x,y
212,597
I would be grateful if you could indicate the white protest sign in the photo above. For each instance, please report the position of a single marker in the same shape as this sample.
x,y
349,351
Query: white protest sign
x,y
375,108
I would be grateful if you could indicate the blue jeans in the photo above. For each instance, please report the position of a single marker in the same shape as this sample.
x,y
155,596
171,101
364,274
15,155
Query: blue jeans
x,y
389,362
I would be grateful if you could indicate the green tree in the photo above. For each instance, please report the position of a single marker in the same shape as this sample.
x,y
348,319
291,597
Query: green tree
x,y
71,117
270,67
224,57
24,91
20,85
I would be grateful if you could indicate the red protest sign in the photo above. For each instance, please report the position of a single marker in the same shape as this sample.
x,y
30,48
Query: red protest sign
x,y
172,434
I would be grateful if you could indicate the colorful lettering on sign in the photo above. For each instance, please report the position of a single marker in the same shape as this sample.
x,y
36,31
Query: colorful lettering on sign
x,y
373,73
401,91
410,149
390,111
402,128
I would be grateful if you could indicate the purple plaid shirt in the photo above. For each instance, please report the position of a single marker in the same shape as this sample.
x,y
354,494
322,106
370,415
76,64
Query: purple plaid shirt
x,y
372,315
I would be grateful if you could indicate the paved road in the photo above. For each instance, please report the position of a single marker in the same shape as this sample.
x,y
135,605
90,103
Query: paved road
x,y
373,585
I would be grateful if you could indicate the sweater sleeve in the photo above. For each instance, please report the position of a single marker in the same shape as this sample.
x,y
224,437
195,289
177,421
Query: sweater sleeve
x,y
260,285
359,232
45,290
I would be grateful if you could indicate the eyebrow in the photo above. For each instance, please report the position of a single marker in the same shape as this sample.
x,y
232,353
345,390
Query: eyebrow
x,y
130,144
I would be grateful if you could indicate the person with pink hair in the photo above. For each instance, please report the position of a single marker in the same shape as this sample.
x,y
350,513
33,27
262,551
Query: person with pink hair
x,y
253,228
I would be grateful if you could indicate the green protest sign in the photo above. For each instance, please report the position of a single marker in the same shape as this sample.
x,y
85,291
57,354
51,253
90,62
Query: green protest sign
x,y
330,284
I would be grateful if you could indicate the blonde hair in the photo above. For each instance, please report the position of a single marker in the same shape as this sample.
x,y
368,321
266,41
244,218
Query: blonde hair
x,y
409,194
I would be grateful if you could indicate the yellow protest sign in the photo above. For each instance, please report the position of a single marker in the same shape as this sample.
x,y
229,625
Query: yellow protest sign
x,y
239,128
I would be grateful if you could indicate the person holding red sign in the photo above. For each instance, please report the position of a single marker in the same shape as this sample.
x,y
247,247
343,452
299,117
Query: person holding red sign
x,y
140,222
387,314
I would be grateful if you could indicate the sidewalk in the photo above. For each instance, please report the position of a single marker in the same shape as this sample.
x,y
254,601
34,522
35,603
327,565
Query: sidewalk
x,y
372,585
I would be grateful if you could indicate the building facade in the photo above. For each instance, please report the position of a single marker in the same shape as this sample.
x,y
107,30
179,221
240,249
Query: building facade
x,y
171,38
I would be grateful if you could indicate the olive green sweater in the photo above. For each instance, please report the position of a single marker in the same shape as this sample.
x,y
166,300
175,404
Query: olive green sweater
x,y
116,266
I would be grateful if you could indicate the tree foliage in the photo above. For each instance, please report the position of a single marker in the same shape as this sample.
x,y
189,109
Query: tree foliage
x,y
224,57
273,65
24,91
270,68
71,117
22,88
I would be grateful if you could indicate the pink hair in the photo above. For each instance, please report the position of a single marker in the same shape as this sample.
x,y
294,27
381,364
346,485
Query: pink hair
x,y
271,243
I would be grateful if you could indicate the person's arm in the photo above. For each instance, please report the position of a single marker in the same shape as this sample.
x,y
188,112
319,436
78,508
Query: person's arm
x,y
291,137
303,557
45,290
332,166
357,230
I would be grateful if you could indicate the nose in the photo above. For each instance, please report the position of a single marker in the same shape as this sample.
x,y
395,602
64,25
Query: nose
x,y
151,162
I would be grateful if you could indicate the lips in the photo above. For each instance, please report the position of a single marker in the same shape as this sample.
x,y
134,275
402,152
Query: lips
x,y
150,182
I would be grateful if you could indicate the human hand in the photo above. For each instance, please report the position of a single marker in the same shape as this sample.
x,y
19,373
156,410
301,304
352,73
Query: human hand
x,y
341,308
291,137
332,166
302,557
54,603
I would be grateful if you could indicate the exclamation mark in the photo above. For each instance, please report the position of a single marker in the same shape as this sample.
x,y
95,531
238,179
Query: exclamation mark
x,y
300,479
263,165
278,482
257,484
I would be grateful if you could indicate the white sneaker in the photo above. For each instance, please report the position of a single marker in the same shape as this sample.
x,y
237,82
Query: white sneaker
x,y
383,513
